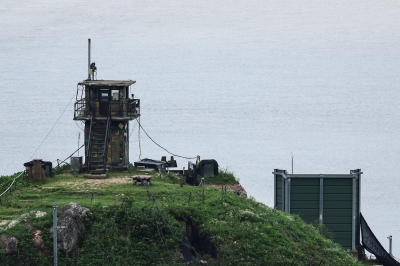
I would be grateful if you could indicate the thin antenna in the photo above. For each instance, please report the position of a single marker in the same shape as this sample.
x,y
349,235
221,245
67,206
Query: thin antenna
x,y
79,137
292,162
390,245
89,69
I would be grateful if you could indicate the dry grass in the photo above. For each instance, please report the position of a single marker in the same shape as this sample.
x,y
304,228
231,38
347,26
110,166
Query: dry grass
x,y
95,184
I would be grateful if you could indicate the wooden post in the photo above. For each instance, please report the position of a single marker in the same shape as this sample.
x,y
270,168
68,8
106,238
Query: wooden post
x,y
37,168
202,181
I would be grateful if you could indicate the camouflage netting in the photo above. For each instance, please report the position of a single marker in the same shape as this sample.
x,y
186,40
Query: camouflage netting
x,y
371,243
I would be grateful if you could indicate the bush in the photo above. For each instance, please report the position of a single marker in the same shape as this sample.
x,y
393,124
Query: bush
x,y
224,177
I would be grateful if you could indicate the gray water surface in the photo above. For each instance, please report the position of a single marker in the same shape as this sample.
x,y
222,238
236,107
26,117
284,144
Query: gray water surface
x,y
247,83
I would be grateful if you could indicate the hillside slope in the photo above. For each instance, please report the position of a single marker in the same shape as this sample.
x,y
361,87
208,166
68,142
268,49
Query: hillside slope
x,y
161,224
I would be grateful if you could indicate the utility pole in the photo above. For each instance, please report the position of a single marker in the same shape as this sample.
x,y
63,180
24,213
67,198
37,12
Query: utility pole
x,y
55,233
79,138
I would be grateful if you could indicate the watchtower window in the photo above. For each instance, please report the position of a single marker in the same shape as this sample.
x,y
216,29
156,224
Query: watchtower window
x,y
104,94
115,95
93,93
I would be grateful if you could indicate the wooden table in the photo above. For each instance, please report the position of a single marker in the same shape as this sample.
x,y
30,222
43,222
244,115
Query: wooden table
x,y
141,179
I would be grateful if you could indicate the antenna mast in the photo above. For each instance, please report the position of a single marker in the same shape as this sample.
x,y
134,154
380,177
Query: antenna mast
x,y
89,69
292,162
91,66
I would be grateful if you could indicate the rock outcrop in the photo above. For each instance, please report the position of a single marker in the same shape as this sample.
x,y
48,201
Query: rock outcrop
x,y
38,240
9,244
71,225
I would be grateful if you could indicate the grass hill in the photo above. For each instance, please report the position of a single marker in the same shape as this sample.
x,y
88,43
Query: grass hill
x,y
160,224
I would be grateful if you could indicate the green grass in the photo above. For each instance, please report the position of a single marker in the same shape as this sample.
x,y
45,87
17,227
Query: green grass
x,y
141,224
224,177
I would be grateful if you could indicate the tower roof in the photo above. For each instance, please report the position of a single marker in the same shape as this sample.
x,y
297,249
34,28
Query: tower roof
x,y
107,83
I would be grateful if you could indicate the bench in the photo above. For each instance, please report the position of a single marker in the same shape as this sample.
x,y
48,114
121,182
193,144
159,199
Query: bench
x,y
141,179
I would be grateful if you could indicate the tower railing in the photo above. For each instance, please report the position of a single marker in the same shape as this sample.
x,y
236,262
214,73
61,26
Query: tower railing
x,y
123,108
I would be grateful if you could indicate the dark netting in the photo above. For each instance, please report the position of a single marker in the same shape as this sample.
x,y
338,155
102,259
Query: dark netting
x,y
372,244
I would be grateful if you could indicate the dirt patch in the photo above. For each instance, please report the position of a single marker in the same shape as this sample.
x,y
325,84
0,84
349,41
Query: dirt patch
x,y
4,222
96,183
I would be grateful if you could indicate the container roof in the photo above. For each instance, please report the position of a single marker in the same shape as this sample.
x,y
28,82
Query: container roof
x,y
123,83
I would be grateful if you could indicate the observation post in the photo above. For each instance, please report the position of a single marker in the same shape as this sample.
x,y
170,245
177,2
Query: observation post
x,y
106,109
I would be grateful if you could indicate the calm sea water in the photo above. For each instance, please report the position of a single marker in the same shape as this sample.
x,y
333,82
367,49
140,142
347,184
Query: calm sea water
x,y
247,83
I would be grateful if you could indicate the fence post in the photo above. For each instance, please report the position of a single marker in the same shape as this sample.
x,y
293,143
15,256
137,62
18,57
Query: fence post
x,y
202,181
55,232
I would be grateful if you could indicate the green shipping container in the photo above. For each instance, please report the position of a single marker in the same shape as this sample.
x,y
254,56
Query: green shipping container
x,y
332,199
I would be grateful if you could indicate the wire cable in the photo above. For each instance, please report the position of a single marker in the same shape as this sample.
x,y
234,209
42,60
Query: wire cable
x,y
140,126
133,129
140,147
11,184
81,128
70,155
53,126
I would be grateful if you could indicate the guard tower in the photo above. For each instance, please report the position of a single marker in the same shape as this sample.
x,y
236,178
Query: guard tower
x,y
106,109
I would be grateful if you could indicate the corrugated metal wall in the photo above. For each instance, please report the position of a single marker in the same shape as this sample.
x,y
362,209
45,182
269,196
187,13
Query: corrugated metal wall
x,y
304,198
279,190
332,198
337,211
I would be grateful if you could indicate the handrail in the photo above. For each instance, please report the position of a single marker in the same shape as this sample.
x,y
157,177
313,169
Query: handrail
x,y
134,106
105,148
106,136
80,108
88,145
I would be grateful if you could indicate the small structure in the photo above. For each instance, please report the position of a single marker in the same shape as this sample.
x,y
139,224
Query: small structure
x,y
191,176
159,166
171,162
333,199
76,164
207,168
204,168
38,169
106,109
